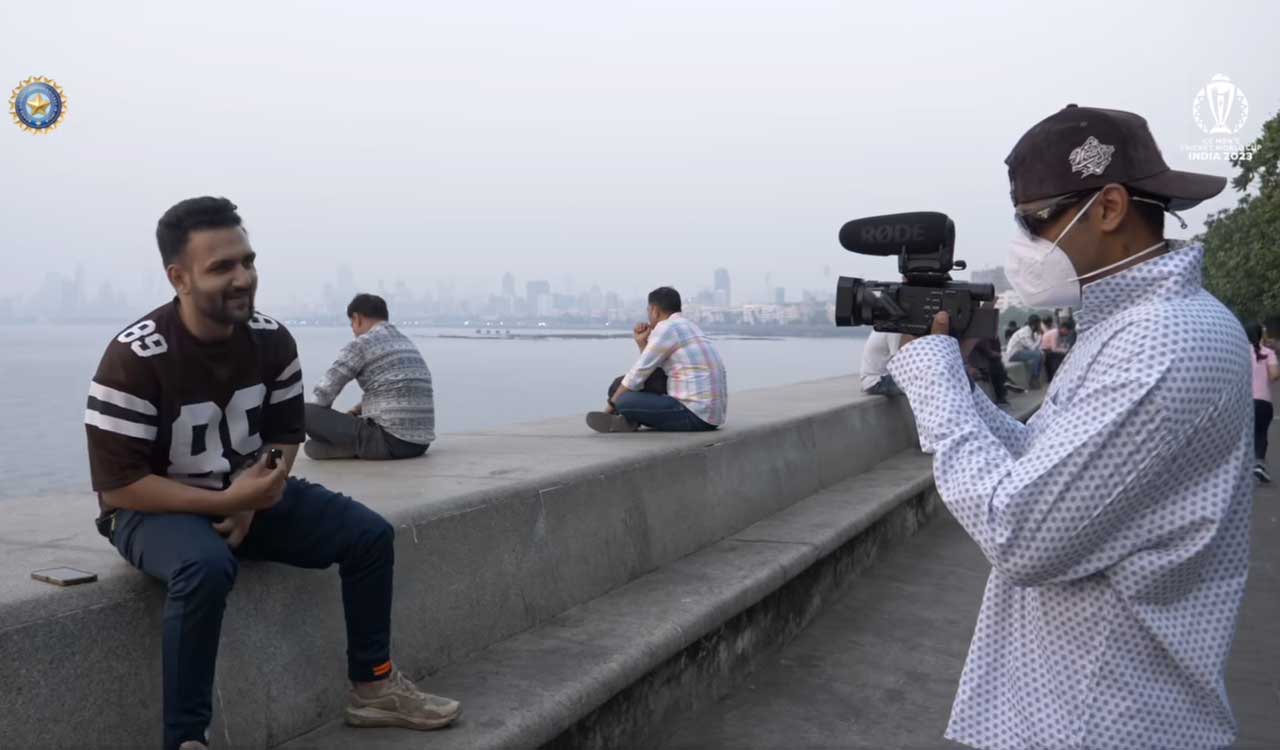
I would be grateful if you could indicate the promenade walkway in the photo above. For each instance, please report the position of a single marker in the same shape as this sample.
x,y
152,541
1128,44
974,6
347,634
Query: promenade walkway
x,y
879,667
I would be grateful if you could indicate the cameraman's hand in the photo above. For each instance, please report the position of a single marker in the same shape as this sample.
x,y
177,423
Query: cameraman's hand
x,y
258,487
942,327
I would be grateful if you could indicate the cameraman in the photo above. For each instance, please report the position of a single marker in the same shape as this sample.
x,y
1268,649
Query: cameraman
x,y
1116,520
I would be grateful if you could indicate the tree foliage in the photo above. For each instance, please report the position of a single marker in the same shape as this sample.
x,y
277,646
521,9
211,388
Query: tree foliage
x,y
1242,244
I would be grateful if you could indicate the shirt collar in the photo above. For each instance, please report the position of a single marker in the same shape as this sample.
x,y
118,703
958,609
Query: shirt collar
x,y
1176,273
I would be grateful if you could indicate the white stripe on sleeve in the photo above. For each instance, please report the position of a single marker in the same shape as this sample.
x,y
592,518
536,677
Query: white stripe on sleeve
x,y
289,371
122,399
284,394
120,426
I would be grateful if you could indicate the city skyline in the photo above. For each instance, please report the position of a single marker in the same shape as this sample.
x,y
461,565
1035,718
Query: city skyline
x,y
78,297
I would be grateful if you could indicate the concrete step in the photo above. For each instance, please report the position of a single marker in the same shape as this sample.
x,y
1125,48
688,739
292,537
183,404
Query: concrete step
x,y
611,672
531,689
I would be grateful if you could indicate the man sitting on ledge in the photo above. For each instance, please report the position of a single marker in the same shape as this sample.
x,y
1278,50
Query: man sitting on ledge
x,y
692,396
397,416
184,402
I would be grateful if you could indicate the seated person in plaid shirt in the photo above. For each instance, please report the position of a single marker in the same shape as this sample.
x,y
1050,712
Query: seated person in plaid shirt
x,y
677,385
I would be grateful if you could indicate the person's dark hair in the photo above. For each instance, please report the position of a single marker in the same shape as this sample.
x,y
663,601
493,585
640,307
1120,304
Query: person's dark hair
x,y
368,305
1068,323
1272,325
1033,321
1150,214
1254,332
175,227
665,299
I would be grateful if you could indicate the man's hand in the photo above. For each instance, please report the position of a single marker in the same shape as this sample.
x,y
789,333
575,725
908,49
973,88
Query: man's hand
x,y
641,334
942,327
235,527
356,410
258,487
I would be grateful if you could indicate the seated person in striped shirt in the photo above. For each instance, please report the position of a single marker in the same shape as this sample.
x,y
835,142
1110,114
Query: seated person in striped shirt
x,y
396,418
677,385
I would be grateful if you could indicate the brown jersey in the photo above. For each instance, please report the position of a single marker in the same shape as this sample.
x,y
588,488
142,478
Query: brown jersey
x,y
166,403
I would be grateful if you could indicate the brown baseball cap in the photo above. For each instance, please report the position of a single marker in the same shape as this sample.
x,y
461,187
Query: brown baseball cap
x,y
1081,148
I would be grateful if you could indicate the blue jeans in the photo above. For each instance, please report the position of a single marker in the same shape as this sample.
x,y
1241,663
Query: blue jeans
x,y
1034,359
311,527
659,412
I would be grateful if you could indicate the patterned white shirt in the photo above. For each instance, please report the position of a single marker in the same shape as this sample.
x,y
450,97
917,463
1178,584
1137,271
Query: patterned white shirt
x,y
695,373
398,394
1116,520
1022,340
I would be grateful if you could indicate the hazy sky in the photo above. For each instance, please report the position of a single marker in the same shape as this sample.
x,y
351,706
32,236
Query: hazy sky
x,y
627,143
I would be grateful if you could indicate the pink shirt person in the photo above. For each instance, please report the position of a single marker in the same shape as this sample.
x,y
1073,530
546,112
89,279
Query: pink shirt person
x,y
1262,374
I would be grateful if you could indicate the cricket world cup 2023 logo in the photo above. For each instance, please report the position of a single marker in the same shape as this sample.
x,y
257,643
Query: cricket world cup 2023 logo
x,y
1220,109
1226,105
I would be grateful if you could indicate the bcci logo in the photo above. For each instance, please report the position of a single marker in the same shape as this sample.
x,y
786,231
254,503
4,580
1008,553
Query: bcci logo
x,y
1220,110
1225,105
38,105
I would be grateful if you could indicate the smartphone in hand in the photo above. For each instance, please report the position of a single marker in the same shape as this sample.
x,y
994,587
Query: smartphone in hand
x,y
273,458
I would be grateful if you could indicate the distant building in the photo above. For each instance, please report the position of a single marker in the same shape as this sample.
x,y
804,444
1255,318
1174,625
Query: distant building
x,y
537,297
722,286
993,276
780,296
508,284
564,303
1007,300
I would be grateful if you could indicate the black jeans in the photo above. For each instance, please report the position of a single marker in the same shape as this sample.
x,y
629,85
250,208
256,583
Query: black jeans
x,y
1052,361
657,383
884,387
311,527
335,434
1262,415
992,364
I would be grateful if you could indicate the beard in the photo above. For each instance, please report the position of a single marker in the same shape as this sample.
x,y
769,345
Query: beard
x,y
227,308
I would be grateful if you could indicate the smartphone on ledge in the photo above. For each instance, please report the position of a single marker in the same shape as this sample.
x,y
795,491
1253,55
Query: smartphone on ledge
x,y
64,576
273,457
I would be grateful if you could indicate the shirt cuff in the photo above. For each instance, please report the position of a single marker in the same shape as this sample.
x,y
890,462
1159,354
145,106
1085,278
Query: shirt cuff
x,y
931,372
633,381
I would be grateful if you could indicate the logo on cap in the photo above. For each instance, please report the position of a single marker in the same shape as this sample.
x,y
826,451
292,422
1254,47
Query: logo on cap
x,y
1091,157
1226,105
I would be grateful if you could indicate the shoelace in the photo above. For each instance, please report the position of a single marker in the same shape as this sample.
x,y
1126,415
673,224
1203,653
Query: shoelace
x,y
406,685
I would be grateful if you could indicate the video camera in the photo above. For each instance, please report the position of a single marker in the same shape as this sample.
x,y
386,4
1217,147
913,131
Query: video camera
x,y
924,242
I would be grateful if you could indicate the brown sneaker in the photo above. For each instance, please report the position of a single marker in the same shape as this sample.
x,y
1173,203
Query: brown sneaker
x,y
604,422
401,704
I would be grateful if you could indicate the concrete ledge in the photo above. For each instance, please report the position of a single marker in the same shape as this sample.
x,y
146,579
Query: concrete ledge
x,y
603,674
1019,374
498,532
531,688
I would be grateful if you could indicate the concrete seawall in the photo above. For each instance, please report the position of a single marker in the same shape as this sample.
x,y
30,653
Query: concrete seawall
x,y
497,532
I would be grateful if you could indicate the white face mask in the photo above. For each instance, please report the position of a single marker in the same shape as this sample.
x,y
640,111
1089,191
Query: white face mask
x,y
1042,274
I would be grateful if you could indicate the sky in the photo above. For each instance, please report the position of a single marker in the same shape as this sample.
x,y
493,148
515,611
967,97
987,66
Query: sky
x,y
618,143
